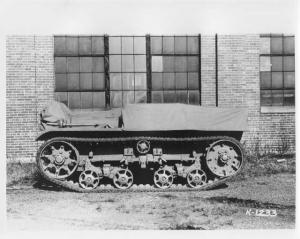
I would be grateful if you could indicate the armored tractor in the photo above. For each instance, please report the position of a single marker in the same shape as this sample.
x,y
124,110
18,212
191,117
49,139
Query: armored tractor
x,y
167,144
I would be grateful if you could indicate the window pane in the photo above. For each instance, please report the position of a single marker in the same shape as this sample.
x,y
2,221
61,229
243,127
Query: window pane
x,y
157,63
157,96
181,81
98,100
277,97
193,47
140,81
140,97
289,45
73,64
193,81
114,45
62,97
168,45
168,81
128,97
85,45
276,45
128,81
276,63
168,63
182,96
265,45
194,97
289,63
289,80
157,81
277,80
98,64
86,81
169,97
72,45
127,45
86,64
289,97
180,45
60,65
98,45
140,63
265,63
98,81
266,97
116,99
156,45
61,82
265,80
180,63
74,100
127,63
192,64
115,63
59,45
73,82
86,100
139,45
115,81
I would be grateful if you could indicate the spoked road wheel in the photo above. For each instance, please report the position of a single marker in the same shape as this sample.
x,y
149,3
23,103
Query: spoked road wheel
x,y
163,178
123,179
57,159
89,179
224,158
196,178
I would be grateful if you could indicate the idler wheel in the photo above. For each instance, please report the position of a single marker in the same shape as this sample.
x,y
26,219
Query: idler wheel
x,y
123,179
57,159
224,158
163,178
196,178
89,179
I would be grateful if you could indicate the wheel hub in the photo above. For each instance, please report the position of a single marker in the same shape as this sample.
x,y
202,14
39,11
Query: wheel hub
x,y
59,160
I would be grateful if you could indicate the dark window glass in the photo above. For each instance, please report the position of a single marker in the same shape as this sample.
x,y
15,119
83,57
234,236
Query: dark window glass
x,y
157,81
169,96
193,47
289,80
180,64
72,46
86,81
156,45
73,82
98,64
115,81
168,64
193,81
128,81
74,100
59,45
277,80
86,64
127,63
87,100
289,45
98,99
194,97
192,64
85,46
168,81
114,45
289,63
266,97
116,99
168,45
140,97
139,45
277,97
157,96
180,45
127,45
61,82
60,64
265,80
115,63
97,45
276,62
98,81
289,97
181,81
73,64
276,45
182,96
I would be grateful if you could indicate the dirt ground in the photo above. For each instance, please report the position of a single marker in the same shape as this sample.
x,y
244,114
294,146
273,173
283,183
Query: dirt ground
x,y
231,207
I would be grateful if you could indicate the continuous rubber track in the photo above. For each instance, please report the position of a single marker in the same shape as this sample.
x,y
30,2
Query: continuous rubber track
x,y
74,186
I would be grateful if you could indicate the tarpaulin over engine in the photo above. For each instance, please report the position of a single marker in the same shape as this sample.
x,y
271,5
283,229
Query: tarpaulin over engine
x,y
166,117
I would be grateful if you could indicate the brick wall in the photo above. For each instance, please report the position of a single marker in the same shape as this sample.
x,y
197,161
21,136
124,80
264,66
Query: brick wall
x,y
30,86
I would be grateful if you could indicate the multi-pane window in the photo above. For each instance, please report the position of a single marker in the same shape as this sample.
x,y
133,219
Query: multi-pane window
x,y
79,71
277,70
175,69
127,70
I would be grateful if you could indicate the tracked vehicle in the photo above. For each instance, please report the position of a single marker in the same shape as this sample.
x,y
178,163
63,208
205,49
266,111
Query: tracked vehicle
x,y
161,145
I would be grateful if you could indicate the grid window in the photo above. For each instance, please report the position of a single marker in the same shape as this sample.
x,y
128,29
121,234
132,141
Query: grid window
x,y
277,71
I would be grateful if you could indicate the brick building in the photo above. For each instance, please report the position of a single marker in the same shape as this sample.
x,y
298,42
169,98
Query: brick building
x,y
101,72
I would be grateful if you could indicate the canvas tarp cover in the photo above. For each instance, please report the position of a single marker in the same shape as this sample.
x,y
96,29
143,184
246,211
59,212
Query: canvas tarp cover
x,y
157,117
